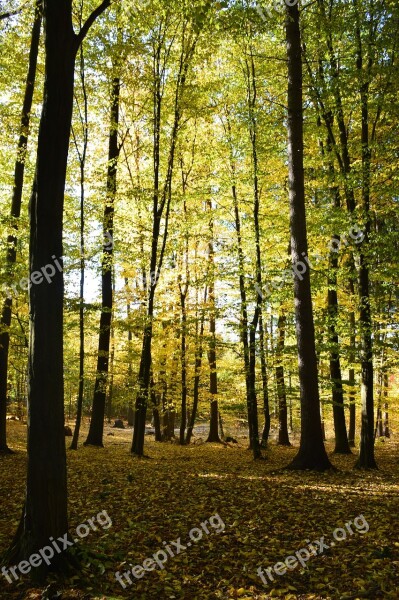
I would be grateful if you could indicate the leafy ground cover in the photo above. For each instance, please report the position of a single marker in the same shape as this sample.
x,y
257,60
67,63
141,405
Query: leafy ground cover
x,y
268,514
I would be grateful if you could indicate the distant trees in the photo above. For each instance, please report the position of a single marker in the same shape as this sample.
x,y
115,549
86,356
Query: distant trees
x,y
197,286
12,240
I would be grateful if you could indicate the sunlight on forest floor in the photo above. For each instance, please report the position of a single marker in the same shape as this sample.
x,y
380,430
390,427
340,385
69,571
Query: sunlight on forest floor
x,y
268,515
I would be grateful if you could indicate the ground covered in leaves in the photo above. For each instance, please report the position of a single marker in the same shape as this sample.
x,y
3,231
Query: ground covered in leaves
x,y
268,514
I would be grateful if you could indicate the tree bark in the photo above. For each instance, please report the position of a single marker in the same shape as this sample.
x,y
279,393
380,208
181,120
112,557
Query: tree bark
x,y
82,164
283,437
312,453
341,436
45,511
197,371
366,458
96,430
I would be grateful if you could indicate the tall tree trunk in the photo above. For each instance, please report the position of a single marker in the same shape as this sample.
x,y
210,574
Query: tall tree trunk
x,y
386,406
252,94
341,436
12,240
366,458
213,435
95,435
82,164
283,437
312,453
352,394
243,294
197,370
45,512
263,368
161,208
183,422
110,393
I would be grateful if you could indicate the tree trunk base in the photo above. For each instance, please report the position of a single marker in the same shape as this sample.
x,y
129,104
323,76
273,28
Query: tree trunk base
x,y
366,465
95,443
342,450
6,450
214,439
311,462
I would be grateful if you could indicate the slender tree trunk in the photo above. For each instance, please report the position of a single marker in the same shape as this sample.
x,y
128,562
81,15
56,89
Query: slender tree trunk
x,y
312,453
341,436
386,407
11,253
110,394
197,371
82,164
45,515
243,293
263,367
95,435
283,437
129,385
183,422
161,209
213,435
366,458
252,94
352,394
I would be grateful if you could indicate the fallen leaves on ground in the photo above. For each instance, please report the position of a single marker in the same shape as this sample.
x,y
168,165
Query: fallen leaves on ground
x,y
268,514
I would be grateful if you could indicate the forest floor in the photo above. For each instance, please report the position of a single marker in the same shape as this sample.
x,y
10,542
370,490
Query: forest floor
x,y
265,514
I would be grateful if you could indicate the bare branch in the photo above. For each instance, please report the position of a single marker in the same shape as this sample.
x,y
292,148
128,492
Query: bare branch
x,y
94,15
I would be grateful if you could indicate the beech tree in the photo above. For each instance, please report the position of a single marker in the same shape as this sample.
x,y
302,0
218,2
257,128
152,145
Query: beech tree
x,y
312,453
45,511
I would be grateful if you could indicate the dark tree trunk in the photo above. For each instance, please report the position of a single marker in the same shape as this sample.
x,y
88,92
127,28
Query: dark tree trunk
x,y
253,410
352,394
82,164
252,95
11,253
197,372
157,424
341,436
160,210
312,453
95,435
263,366
283,437
366,458
130,412
213,435
142,396
386,406
45,512
183,422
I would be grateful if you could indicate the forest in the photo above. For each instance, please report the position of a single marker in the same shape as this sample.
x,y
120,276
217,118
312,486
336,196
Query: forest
x,y
199,216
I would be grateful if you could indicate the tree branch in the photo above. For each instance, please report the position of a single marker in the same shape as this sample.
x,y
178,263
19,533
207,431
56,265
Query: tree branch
x,y
94,15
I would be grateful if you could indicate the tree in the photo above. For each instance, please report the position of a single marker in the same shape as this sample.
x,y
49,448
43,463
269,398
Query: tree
x,y
95,435
45,511
312,453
